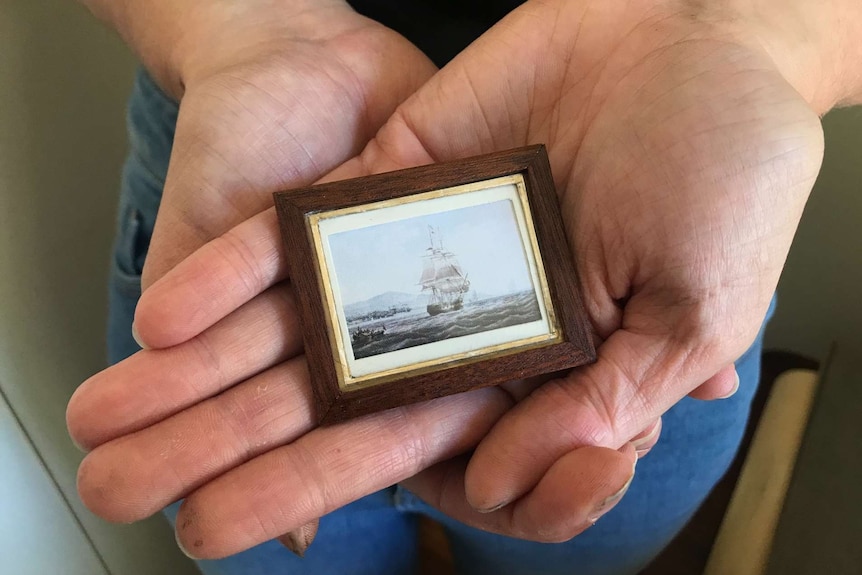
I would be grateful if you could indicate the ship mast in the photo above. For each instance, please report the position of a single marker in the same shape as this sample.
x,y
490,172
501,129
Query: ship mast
x,y
441,272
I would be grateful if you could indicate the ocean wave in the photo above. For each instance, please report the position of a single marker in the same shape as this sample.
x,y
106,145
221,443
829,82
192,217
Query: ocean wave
x,y
415,330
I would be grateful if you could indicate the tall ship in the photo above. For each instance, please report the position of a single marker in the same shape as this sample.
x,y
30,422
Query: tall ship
x,y
442,277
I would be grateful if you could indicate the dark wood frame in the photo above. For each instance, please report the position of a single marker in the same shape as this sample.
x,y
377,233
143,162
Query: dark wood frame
x,y
334,403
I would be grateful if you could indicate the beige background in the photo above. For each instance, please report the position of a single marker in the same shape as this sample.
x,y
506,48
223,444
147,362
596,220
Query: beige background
x,y
63,84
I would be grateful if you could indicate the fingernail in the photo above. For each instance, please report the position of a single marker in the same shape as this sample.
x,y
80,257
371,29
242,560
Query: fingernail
x,y
607,503
640,442
492,509
298,540
138,339
182,547
78,446
735,386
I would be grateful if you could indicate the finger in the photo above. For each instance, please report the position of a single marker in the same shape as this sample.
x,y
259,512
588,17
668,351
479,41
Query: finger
x,y
216,280
635,380
580,488
328,468
722,385
167,381
136,475
219,277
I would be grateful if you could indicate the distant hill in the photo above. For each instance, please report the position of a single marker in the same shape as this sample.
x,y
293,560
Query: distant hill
x,y
385,301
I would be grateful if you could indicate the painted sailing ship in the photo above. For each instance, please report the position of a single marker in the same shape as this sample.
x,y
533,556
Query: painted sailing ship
x,y
442,277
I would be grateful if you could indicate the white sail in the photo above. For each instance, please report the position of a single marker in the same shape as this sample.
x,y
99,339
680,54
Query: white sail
x,y
443,276
429,271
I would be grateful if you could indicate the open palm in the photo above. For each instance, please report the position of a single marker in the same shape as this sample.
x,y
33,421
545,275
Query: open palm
x,y
682,159
270,101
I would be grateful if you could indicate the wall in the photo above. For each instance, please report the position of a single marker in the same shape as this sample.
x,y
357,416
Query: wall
x,y
35,516
63,84
818,297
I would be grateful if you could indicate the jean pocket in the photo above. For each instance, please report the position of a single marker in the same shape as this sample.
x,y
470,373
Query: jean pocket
x,y
130,251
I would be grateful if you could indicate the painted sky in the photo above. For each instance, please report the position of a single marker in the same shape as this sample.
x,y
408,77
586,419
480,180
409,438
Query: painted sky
x,y
388,257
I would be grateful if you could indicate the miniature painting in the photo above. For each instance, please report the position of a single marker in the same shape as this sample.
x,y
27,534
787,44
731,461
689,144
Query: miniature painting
x,y
434,278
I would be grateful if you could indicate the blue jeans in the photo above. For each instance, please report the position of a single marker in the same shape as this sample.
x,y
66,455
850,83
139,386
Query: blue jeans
x,y
377,534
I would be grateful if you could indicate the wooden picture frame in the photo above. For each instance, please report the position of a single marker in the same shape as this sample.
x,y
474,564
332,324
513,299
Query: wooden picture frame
x,y
348,239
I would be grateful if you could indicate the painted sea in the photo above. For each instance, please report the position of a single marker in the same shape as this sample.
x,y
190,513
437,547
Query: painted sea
x,y
415,327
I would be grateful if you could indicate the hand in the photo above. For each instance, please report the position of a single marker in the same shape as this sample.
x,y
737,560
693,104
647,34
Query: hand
x,y
274,95
682,158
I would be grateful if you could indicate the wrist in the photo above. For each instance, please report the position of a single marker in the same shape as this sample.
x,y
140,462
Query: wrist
x,y
814,45
182,41
152,30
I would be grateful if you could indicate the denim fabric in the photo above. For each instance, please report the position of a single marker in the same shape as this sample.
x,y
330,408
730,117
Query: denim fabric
x,y
376,535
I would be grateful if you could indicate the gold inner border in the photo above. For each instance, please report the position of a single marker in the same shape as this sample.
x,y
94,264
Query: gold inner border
x,y
345,381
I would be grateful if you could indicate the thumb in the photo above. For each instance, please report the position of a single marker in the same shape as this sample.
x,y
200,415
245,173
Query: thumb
x,y
217,180
474,105
273,123
638,377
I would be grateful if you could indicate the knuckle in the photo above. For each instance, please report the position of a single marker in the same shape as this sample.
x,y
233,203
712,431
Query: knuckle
x,y
581,417
240,259
243,418
203,351
410,455
410,450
